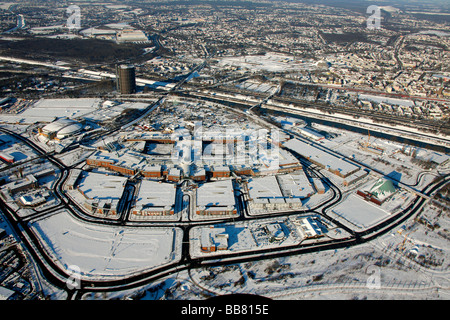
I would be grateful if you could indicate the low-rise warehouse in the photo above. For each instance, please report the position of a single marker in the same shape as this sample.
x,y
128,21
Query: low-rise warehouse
x,y
155,198
310,227
28,182
7,157
295,185
216,198
321,158
101,192
213,239
281,192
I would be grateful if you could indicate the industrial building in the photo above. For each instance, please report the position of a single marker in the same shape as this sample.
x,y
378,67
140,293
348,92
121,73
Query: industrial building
x,y
6,294
130,164
220,171
355,177
295,185
380,192
26,183
264,194
323,159
152,171
131,35
174,175
319,186
280,192
32,199
309,133
216,198
287,162
155,198
213,239
6,157
199,174
101,193
126,79
310,227
243,170
124,164
73,178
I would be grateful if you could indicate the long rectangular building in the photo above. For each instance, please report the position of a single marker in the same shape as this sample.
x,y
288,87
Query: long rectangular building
x,y
338,166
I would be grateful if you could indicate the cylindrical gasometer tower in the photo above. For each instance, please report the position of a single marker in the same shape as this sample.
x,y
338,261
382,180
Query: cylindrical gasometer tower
x,y
126,79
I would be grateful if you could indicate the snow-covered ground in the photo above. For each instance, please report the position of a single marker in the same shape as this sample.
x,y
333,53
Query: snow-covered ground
x,y
381,269
360,272
102,251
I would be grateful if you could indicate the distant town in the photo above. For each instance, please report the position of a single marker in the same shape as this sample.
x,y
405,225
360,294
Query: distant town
x,y
179,150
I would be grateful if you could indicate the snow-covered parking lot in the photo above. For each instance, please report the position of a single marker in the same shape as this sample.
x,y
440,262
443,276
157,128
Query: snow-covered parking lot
x,y
101,251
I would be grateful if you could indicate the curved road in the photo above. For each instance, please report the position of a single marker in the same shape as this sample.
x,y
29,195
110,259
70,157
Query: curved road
x,y
59,277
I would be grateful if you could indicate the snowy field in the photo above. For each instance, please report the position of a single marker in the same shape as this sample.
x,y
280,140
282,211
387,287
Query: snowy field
x,y
257,86
70,108
360,272
106,251
111,110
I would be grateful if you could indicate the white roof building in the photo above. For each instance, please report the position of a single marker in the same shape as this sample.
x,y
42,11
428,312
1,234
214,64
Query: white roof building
x,y
63,128
296,185
213,239
311,134
131,35
278,192
155,198
101,191
216,198
309,227
5,293
328,161
28,182
32,199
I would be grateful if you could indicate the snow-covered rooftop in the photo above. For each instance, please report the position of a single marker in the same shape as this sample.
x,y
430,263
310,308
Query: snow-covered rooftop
x,y
217,193
327,160
101,186
296,185
263,188
155,194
